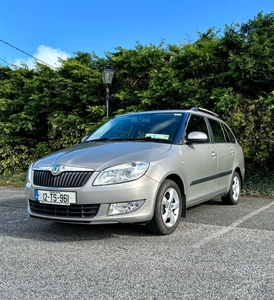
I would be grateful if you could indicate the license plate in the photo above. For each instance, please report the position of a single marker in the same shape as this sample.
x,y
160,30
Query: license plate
x,y
54,197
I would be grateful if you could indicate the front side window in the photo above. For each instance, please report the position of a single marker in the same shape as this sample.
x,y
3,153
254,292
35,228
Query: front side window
x,y
196,123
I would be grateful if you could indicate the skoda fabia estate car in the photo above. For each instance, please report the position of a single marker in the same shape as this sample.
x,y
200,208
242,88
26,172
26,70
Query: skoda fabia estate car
x,y
144,167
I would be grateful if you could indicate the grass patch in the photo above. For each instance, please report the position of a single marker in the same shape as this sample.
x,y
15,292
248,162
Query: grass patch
x,y
13,179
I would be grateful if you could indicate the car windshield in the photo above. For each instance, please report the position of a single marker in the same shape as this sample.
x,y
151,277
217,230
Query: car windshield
x,y
147,126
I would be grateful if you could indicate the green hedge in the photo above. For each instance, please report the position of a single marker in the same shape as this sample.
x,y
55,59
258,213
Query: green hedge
x,y
230,73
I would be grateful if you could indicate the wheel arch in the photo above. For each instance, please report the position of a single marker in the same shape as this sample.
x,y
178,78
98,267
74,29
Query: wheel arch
x,y
178,180
238,170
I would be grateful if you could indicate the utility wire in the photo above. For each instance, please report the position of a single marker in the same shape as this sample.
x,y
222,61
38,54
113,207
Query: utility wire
x,y
4,61
37,59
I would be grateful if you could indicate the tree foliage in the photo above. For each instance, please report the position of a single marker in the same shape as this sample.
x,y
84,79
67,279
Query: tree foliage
x,y
43,110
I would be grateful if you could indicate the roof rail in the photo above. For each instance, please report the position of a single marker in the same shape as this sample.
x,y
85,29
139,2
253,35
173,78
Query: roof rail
x,y
204,110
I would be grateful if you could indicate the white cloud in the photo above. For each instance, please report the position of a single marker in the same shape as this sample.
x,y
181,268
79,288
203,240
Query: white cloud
x,y
45,54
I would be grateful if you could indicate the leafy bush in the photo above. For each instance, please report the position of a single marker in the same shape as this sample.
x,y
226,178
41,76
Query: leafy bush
x,y
44,110
258,185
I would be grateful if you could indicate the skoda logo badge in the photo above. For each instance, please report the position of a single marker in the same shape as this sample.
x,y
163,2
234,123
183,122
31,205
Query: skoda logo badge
x,y
55,169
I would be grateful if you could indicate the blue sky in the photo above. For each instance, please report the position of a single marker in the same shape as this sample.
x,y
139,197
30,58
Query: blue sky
x,y
47,29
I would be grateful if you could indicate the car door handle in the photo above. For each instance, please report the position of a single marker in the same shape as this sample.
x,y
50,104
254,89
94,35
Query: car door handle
x,y
232,152
213,154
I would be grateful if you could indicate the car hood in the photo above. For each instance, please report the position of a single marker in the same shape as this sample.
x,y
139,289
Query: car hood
x,y
100,155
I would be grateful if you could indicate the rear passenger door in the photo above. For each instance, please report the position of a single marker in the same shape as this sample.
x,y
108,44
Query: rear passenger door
x,y
224,143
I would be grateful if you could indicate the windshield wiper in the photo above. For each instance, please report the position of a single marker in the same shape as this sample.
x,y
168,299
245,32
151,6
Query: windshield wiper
x,y
99,140
147,138
106,139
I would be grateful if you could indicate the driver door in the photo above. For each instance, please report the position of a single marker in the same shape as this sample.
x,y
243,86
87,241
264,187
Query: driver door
x,y
200,163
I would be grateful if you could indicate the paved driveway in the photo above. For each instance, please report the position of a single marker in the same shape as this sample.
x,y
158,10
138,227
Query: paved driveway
x,y
218,252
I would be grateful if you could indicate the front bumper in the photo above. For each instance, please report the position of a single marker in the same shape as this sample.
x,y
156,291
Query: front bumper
x,y
93,202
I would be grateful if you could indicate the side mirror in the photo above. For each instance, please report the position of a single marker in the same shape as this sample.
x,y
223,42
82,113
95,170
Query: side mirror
x,y
197,137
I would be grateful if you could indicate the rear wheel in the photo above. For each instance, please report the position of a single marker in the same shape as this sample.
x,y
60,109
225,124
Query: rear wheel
x,y
234,193
168,209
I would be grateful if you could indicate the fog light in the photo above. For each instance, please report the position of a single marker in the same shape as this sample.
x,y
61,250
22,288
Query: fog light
x,y
125,207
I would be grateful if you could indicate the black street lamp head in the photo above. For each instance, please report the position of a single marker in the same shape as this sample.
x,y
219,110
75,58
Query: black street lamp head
x,y
107,75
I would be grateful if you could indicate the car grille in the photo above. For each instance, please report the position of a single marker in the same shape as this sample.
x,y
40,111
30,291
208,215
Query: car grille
x,y
71,211
65,179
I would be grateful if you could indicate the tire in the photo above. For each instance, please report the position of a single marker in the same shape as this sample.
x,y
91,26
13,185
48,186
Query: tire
x,y
234,193
168,209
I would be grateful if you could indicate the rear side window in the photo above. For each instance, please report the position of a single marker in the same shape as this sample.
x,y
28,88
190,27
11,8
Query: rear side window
x,y
229,135
196,123
217,131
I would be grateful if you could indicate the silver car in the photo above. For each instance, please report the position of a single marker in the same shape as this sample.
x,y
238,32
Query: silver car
x,y
145,167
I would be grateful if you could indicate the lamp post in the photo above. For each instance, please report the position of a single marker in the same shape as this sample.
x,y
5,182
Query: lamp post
x,y
107,76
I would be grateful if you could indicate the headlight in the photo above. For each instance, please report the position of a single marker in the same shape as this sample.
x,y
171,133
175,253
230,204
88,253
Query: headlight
x,y
122,173
125,207
29,174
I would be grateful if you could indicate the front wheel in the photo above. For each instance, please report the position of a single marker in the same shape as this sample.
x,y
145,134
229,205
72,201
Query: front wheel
x,y
234,193
168,209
